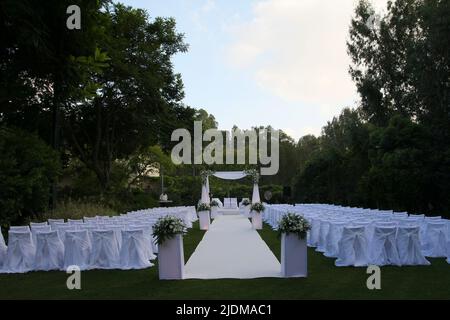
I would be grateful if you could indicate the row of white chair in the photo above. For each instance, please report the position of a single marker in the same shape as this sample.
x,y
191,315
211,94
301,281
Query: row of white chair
x,y
101,242
372,237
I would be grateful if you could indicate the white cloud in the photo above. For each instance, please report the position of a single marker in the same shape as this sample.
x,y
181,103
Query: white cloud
x,y
297,51
201,12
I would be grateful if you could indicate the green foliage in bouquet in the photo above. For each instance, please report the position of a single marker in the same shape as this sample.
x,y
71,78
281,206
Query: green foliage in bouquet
x,y
293,223
168,227
203,207
257,207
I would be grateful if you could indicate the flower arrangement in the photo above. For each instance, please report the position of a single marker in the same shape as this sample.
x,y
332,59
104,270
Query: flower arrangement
x,y
214,203
203,207
257,207
293,223
204,174
167,227
253,173
245,202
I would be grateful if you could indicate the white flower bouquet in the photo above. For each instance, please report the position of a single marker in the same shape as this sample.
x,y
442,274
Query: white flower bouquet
x,y
293,223
203,207
167,227
257,207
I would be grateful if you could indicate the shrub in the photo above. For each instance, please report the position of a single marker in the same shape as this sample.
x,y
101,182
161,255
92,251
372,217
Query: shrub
x,y
27,168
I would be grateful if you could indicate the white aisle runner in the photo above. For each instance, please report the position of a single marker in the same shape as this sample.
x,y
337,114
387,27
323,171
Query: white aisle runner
x,y
232,249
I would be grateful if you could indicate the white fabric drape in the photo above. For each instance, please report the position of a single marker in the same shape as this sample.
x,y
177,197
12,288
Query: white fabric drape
x,y
3,249
255,196
20,253
205,196
133,254
207,186
230,175
77,246
49,251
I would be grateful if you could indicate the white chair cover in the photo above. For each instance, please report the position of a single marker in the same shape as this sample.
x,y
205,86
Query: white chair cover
x,y
20,253
75,221
19,228
49,251
77,246
149,241
53,221
383,248
334,235
408,245
37,224
3,249
323,235
435,240
63,228
134,254
39,228
352,247
105,253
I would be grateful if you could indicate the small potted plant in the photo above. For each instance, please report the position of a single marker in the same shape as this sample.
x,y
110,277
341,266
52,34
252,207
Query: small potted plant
x,y
293,229
256,211
168,232
203,215
214,209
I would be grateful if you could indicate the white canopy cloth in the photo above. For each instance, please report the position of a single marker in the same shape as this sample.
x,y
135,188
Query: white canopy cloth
x,y
228,175
255,196
205,195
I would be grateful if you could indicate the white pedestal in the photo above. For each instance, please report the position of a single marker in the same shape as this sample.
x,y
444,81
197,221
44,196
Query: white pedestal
x,y
204,220
294,254
256,220
214,212
171,259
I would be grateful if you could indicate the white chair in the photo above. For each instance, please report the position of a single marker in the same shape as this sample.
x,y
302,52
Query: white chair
x,y
383,247
53,221
19,228
37,224
315,232
39,228
105,253
86,219
408,246
3,249
117,232
435,239
323,234
149,241
75,221
77,247
133,254
352,247
63,228
20,253
49,251
334,235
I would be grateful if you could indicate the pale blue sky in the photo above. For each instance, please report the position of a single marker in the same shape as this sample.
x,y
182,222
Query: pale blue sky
x,y
261,62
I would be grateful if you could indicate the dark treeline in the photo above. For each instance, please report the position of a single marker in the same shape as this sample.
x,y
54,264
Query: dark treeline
x,y
88,114
393,151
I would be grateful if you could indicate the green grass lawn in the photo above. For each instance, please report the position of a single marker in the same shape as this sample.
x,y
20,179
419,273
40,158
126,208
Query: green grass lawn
x,y
325,281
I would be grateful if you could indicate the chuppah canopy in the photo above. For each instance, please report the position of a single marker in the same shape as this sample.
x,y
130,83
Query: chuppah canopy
x,y
228,175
